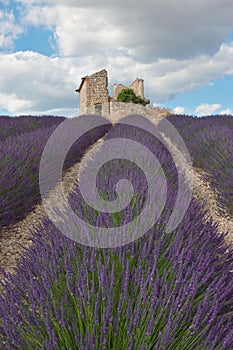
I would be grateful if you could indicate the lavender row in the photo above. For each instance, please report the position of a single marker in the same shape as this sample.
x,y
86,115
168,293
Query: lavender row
x,y
19,168
210,143
164,291
127,169
12,126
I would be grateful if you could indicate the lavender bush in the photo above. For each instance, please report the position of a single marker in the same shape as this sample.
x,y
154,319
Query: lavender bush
x,y
121,168
164,291
210,143
12,126
19,167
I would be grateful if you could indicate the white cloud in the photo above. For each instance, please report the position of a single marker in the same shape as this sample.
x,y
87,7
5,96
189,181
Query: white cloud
x,y
78,31
41,16
9,30
14,104
207,109
68,112
151,29
49,82
33,81
174,47
187,75
179,110
226,111
158,105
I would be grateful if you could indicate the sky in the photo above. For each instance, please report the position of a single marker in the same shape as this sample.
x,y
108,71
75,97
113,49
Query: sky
x,y
183,49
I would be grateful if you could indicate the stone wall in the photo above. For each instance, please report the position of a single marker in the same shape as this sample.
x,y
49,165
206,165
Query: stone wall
x,y
94,97
124,109
117,88
94,91
114,111
117,110
83,98
138,87
105,110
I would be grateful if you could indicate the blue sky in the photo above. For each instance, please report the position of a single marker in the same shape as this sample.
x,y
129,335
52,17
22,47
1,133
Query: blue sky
x,y
219,93
36,39
183,51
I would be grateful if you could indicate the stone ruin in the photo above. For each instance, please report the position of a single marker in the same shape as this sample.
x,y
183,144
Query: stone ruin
x,y
94,96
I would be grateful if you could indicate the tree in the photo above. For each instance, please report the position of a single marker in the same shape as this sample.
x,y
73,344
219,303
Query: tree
x,y
128,95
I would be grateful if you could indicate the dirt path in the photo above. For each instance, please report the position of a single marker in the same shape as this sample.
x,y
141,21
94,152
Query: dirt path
x,y
14,242
201,188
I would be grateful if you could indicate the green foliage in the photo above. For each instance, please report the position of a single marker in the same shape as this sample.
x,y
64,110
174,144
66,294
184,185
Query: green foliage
x,y
128,95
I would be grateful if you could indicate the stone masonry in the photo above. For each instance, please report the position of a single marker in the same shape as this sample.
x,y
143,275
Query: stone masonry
x,y
95,99
117,88
93,91
138,87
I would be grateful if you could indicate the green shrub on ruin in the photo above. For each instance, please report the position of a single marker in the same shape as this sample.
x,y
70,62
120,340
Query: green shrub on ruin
x,y
128,95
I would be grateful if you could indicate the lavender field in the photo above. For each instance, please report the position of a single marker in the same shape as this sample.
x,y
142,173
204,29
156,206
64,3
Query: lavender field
x,y
21,125
210,144
165,290
21,153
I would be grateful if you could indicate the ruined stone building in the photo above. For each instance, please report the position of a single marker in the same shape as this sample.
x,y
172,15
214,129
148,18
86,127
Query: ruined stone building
x,y
94,96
